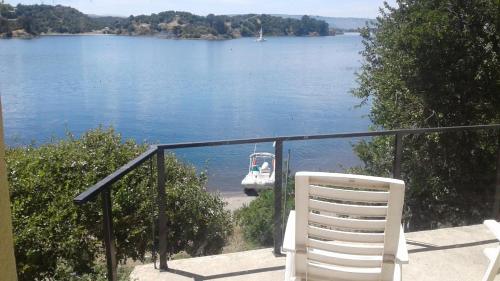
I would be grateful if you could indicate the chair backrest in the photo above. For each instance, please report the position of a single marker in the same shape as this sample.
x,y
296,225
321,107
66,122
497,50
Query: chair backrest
x,y
347,226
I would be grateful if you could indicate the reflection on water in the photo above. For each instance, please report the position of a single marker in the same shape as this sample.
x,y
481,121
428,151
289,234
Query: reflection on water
x,y
187,90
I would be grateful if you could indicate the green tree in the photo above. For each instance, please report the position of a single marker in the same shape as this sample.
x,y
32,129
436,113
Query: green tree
x,y
51,233
220,25
26,23
7,11
4,26
432,63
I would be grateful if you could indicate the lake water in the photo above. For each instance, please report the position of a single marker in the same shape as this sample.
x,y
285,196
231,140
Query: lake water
x,y
187,90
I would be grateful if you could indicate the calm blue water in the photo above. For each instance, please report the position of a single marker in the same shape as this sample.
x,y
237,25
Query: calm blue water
x,y
185,90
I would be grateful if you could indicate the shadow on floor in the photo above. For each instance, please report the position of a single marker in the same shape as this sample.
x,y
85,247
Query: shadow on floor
x,y
198,277
426,247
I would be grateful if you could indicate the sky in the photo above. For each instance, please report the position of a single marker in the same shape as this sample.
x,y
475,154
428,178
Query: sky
x,y
332,8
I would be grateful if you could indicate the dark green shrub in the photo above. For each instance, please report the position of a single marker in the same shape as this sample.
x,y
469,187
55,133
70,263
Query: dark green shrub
x,y
256,219
197,221
51,232
431,64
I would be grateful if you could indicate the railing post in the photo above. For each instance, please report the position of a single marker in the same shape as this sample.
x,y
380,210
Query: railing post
x,y
398,149
496,204
162,216
153,217
278,182
108,234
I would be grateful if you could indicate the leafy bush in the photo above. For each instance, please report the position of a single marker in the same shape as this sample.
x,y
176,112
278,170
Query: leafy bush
x,y
66,273
256,219
51,233
197,221
434,63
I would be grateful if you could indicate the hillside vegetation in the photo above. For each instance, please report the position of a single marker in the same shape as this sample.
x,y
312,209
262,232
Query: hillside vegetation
x,y
32,20
38,19
339,23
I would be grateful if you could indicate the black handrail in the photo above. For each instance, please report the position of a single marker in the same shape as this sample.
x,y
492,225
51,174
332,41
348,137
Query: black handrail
x,y
327,136
103,186
94,190
91,192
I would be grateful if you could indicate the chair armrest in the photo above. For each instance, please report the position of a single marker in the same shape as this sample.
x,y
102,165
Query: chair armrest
x,y
494,227
289,241
402,253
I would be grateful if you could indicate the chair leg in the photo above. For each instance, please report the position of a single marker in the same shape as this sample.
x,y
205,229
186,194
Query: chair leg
x,y
398,272
492,270
494,264
290,266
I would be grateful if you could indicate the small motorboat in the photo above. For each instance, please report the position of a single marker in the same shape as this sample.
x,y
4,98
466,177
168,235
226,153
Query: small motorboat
x,y
260,172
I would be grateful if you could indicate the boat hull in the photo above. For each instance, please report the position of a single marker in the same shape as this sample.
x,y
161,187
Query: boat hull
x,y
257,182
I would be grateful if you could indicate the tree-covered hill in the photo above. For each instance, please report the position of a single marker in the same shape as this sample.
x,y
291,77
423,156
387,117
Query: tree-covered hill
x,y
40,19
338,23
37,19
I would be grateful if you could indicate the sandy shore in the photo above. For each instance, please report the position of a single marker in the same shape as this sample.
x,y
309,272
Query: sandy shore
x,y
236,200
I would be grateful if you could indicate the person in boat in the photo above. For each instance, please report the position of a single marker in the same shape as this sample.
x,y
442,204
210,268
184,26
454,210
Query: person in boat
x,y
255,168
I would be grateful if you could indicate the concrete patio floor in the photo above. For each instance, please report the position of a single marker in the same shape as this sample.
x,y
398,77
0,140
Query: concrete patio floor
x,y
449,254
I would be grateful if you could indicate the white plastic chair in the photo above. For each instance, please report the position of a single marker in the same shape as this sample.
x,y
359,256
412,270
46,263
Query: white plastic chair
x,y
345,227
493,254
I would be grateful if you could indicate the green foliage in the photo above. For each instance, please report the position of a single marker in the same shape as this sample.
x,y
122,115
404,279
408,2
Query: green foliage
x,y
36,19
4,26
196,220
433,64
192,26
278,26
6,13
66,273
51,231
256,219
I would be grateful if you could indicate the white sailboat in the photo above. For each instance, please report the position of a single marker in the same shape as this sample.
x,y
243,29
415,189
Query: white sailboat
x,y
260,39
260,172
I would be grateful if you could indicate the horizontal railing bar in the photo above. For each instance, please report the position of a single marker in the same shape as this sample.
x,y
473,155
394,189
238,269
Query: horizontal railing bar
x,y
327,136
216,143
93,191
90,193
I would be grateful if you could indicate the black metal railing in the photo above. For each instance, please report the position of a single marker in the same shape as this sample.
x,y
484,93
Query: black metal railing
x,y
103,187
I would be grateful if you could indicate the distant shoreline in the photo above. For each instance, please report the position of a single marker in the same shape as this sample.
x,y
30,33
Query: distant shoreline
x,y
30,21
77,34
157,36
